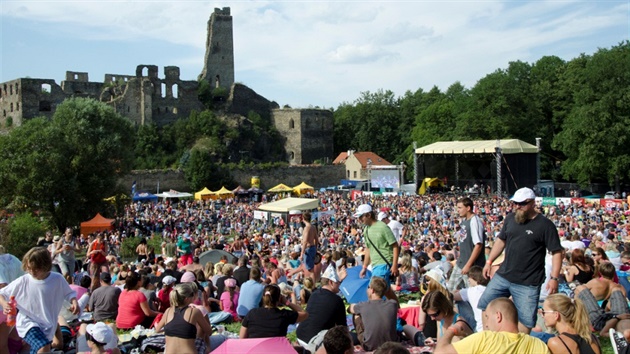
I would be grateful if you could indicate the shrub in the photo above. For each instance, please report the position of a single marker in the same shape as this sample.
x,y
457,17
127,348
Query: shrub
x,y
22,233
129,244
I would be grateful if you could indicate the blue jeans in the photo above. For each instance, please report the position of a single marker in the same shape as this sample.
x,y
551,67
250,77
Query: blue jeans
x,y
525,298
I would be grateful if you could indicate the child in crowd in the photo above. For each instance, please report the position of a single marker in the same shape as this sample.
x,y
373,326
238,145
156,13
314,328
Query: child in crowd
x,y
229,298
471,295
39,296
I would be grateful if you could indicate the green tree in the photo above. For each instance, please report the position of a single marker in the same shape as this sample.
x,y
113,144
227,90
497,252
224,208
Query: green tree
x,y
202,170
596,131
67,165
22,234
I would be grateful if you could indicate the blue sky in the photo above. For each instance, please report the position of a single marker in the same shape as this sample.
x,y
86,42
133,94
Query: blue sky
x,y
306,53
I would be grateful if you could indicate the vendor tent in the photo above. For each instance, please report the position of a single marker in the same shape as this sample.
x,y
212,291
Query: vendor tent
x,y
174,194
144,197
96,224
303,188
205,193
286,204
240,191
281,188
224,193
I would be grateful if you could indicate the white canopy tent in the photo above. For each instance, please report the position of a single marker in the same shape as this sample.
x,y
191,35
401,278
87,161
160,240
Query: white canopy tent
x,y
287,204
174,194
508,146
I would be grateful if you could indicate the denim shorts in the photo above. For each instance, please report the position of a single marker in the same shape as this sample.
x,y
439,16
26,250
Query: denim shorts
x,y
382,270
525,298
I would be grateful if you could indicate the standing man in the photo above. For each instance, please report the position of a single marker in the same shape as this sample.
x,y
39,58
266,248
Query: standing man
x,y
525,236
309,250
383,248
472,238
309,245
395,225
184,246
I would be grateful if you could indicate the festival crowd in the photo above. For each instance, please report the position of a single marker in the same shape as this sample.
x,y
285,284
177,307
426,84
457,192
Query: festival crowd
x,y
490,274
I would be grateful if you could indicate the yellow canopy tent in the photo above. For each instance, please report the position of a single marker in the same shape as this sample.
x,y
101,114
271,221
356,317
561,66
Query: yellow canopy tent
x,y
281,188
430,182
205,193
224,193
303,188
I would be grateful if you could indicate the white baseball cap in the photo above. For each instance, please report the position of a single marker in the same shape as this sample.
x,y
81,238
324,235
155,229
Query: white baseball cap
x,y
382,215
523,194
101,332
362,209
168,280
331,274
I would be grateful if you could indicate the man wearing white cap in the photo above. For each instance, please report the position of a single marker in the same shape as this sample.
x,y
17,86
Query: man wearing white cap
x,y
325,311
525,236
394,225
382,245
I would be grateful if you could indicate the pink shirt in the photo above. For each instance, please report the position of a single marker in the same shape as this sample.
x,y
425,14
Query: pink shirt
x,y
79,290
130,313
229,307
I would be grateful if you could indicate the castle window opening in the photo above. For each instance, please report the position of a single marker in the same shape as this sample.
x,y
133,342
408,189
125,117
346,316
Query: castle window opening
x,y
114,79
158,110
11,106
17,106
4,112
291,155
355,174
348,174
145,72
5,88
291,124
174,110
17,88
218,80
76,76
175,90
128,108
163,89
45,88
1,92
10,89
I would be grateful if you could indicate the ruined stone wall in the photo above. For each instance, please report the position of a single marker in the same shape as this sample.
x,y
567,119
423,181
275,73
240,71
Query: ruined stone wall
x,y
22,99
316,176
308,133
317,135
242,100
218,67
77,84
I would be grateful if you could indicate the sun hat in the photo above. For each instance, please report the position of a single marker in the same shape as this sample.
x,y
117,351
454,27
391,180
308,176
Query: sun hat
x,y
362,209
331,274
188,277
382,215
438,275
168,280
101,332
229,283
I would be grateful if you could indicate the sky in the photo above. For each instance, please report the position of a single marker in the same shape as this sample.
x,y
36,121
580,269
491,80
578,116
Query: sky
x,y
306,53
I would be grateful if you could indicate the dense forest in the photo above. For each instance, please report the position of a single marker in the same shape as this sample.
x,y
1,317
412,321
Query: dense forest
x,y
580,109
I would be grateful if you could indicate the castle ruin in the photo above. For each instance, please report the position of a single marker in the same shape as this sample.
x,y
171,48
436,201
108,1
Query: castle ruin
x,y
145,98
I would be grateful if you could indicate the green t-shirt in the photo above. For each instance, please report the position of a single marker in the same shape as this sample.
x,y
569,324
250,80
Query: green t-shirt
x,y
381,237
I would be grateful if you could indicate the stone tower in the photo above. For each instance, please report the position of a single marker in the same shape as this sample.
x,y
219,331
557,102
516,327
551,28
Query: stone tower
x,y
218,67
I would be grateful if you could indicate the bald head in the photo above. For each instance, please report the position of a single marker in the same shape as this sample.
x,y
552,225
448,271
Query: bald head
x,y
507,309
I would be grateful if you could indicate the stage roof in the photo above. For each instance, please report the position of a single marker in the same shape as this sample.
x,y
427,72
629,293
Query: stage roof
x,y
508,146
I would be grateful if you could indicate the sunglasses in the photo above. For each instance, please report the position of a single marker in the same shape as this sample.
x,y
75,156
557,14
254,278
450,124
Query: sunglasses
x,y
595,254
541,310
522,203
433,315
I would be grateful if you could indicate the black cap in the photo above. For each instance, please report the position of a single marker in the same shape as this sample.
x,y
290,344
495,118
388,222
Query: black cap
x,y
106,277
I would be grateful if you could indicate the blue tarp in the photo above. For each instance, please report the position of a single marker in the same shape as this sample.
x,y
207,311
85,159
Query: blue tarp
x,y
144,196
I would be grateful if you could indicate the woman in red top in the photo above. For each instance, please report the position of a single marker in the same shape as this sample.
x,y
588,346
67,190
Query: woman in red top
x,y
133,308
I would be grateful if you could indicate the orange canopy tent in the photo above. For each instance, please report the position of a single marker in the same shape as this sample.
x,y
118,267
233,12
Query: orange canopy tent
x,y
98,223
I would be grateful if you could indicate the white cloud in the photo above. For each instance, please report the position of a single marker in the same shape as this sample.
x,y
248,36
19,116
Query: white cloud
x,y
326,52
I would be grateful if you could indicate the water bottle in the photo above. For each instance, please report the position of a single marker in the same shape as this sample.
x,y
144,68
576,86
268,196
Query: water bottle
x,y
12,312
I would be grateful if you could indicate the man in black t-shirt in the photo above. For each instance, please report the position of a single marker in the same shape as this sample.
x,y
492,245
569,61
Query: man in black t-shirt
x,y
525,236
325,310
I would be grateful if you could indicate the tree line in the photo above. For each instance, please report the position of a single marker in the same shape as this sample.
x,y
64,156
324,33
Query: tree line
x,y
579,108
